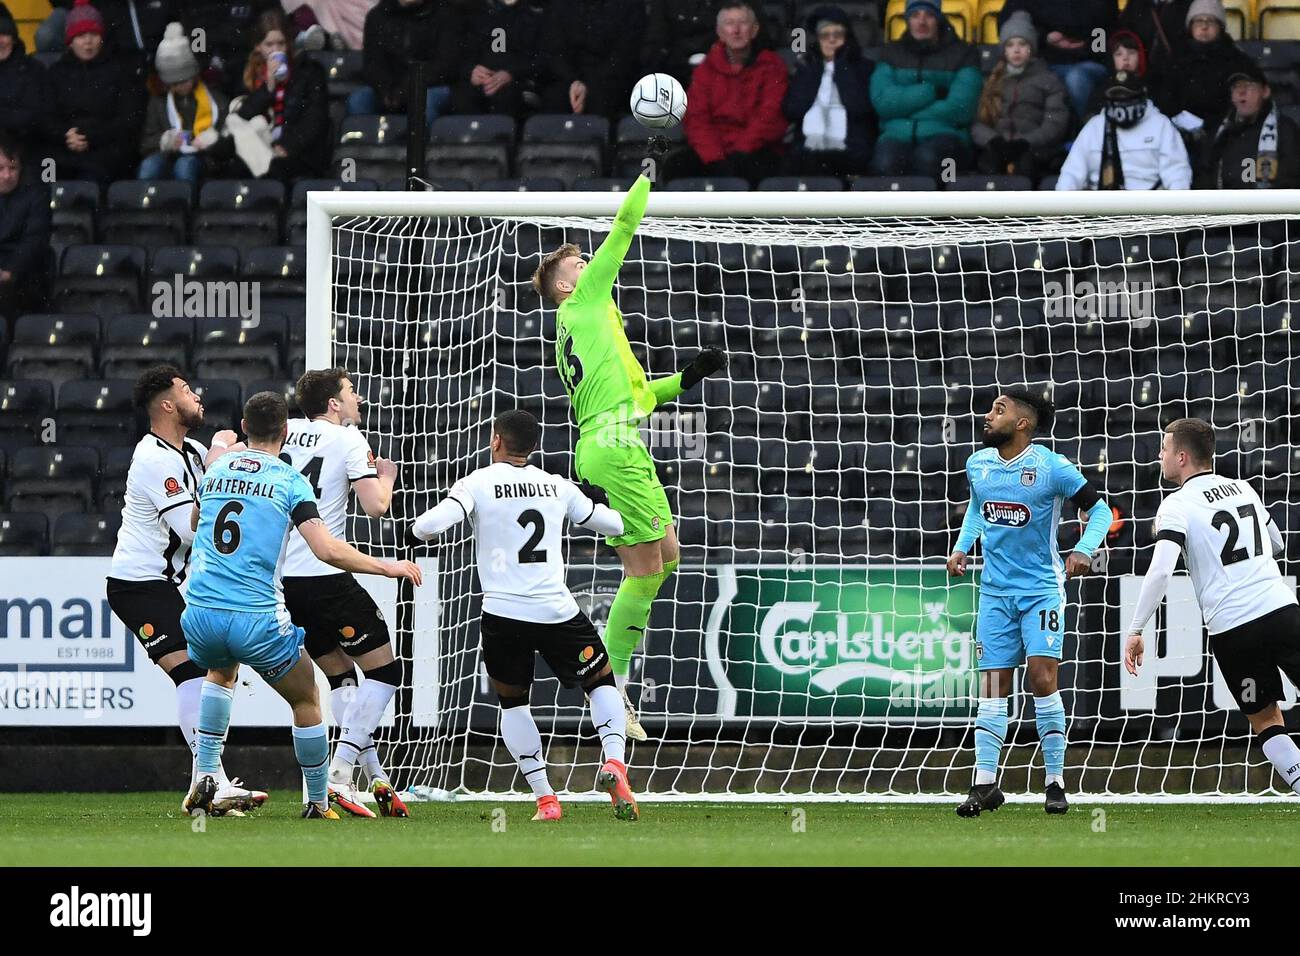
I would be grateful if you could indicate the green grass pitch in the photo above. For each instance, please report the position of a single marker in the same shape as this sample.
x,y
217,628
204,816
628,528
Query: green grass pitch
x,y
148,829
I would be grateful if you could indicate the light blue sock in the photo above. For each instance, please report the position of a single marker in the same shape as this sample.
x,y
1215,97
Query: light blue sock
x,y
990,733
1049,714
214,720
312,748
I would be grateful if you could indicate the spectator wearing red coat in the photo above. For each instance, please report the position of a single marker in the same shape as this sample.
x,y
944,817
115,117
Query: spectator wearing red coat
x,y
734,122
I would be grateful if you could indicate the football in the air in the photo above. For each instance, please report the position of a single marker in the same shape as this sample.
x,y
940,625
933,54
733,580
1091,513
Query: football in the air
x,y
658,101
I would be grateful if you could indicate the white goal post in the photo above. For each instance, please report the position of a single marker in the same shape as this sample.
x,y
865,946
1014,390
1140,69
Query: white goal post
x,y
811,646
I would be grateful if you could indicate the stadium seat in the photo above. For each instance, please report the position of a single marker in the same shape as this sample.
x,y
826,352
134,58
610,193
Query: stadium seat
x,y
565,147
25,407
981,183
86,534
801,184
875,184
197,262
23,535
543,184
51,479
110,492
1279,20
301,187
54,347
474,148
73,205
630,147
279,270
132,343
280,386
375,144
342,70
600,184
1271,56
146,213
221,406
97,413
104,280
1241,18
228,348
243,213
707,184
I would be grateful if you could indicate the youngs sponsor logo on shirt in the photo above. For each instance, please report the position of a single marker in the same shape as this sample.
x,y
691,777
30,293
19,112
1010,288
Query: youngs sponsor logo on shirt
x,y
1009,514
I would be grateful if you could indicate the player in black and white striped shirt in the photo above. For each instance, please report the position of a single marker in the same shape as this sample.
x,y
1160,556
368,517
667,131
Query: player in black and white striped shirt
x,y
153,547
345,630
517,511
1231,545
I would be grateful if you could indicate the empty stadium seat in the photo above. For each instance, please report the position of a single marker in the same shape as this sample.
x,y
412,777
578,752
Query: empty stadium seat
x,y
25,408
86,534
542,184
800,184
873,184
222,406
474,148
147,213
24,535
375,145
104,280
707,184
54,347
132,343
982,183
51,479
280,386
563,146
600,184
228,348
73,205
279,270
110,494
1279,19
97,413
342,70
243,213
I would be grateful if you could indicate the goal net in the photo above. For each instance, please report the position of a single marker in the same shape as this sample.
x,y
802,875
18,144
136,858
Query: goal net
x,y
811,645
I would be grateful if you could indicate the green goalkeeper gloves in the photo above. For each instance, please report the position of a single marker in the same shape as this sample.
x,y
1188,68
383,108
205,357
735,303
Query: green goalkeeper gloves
x,y
706,363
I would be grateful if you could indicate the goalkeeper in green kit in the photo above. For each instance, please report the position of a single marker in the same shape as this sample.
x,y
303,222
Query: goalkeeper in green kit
x,y
611,396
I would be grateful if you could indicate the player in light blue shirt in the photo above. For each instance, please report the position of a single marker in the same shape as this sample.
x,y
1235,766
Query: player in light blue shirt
x,y
1017,490
234,610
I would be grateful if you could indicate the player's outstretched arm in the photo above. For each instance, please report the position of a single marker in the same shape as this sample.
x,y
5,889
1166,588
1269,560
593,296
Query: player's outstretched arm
x,y
1099,520
1154,585
446,514
705,363
343,556
589,508
223,443
597,280
376,494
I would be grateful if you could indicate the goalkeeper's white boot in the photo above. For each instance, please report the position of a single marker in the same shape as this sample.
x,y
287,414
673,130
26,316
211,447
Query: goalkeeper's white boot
x,y
634,729
233,795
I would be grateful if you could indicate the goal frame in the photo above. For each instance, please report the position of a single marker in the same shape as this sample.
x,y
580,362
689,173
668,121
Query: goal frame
x,y
324,206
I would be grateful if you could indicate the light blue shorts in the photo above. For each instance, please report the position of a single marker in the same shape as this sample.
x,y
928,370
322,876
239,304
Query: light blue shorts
x,y
1012,627
267,641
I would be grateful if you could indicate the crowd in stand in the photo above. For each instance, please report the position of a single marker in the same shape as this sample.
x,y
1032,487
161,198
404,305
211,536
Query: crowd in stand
x,y
1156,96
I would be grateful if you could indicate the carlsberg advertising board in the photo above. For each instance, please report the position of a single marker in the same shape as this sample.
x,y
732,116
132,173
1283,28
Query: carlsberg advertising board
x,y
841,643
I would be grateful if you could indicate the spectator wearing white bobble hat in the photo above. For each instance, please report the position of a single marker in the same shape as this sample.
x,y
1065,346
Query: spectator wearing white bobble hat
x,y
181,138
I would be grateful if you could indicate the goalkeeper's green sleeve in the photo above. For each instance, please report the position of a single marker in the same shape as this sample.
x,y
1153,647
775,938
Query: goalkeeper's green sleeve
x,y
667,388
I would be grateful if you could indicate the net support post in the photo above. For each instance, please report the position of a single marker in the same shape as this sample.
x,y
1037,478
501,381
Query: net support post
x,y
320,284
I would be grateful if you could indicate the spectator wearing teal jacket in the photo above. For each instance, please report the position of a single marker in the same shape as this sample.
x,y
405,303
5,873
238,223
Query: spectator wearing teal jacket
x,y
925,90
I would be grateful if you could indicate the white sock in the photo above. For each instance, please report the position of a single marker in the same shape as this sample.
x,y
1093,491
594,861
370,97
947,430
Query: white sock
x,y
187,718
344,756
525,744
1285,757
620,682
610,718
370,764
1055,778
984,777
364,714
